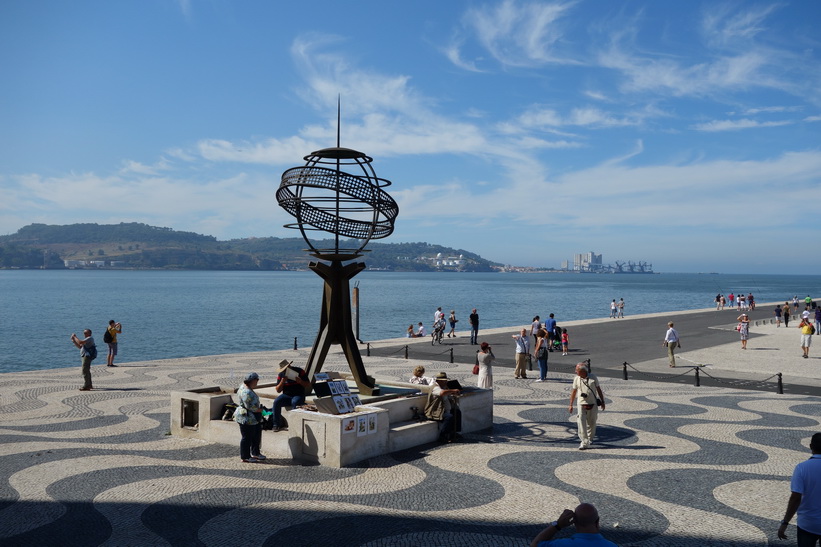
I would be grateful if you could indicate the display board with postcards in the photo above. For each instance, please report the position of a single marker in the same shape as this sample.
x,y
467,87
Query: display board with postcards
x,y
334,396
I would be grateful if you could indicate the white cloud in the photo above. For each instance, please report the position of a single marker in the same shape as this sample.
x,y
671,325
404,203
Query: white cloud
x,y
517,34
735,125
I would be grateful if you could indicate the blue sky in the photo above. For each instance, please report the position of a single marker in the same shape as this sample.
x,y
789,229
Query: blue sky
x,y
684,134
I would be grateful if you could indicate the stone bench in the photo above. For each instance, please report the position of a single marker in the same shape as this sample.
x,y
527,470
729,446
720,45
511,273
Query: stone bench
x,y
326,438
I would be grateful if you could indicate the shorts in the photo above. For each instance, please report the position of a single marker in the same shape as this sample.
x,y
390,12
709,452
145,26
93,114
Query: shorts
x,y
806,340
112,348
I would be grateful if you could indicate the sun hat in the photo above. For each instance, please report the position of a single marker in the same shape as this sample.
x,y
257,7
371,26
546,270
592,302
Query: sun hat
x,y
251,376
285,363
442,376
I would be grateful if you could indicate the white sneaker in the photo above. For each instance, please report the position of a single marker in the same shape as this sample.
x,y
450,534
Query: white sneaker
x,y
582,446
539,380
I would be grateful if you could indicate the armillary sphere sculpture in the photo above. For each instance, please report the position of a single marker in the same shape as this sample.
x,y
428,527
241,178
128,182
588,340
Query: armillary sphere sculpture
x,y
323,196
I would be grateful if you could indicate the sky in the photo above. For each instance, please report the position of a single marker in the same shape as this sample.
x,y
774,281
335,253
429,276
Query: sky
x,y
683,134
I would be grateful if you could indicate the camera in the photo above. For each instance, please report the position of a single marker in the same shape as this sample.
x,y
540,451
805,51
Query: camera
x,y
584,395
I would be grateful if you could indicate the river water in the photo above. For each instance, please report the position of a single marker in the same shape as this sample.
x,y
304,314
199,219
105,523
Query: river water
x,y
182,313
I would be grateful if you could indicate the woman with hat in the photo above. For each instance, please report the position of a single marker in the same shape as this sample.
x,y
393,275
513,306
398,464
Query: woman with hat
x,y
743,329
249,417
485,358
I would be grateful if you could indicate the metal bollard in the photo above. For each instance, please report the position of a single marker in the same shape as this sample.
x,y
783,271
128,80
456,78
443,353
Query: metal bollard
x,y
451,355
406,352
625,370
780,385
698,378
368,350
295,348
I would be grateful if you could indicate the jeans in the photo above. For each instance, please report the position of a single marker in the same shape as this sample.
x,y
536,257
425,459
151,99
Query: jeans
x,y
474,334
251,439
543,369
283,400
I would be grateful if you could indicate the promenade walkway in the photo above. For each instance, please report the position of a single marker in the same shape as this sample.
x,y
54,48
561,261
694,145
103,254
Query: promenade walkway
x,y
674,464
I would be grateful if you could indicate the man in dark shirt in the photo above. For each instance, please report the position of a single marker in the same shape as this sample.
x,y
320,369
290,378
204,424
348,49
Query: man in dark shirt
x,y
292,383
474,327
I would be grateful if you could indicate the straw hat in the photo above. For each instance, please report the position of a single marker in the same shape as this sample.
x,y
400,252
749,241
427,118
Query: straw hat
x,y
285,363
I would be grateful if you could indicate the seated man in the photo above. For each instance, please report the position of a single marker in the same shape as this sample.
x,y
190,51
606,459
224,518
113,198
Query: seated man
x,y
292,383
421,332
586,520
442,407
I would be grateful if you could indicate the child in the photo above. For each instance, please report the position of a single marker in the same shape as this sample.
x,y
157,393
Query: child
x,y
565,341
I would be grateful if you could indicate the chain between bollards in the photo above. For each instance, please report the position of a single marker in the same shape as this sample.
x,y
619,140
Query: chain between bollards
x,y
295,348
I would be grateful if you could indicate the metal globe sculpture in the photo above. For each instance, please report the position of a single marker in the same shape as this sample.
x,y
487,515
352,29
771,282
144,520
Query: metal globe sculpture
x,y
322,196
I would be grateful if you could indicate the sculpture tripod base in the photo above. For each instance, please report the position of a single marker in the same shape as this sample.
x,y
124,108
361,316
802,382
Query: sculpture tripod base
x,y
336,326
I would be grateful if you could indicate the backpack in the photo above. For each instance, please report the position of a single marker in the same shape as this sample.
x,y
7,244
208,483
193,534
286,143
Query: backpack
x,y
91,352
107,338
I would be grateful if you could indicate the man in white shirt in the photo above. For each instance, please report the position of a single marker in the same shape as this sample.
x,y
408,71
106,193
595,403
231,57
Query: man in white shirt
x,y
590,397
522,353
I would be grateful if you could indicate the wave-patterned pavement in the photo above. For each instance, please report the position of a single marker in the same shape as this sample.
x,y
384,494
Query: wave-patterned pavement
x,y
673,465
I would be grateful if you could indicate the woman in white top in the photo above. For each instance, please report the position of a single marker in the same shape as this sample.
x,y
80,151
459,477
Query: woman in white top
x,y
485,358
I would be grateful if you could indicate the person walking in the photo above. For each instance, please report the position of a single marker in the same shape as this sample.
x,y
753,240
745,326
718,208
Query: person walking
x,y
474,327
807,330
535,327
485,358
621,308
818,319
550,327
452,319
249,417
110,338
588,530
787,314
805,498
777,313
743,329
613,307
671,342
590,397
540,353
522,353
88,352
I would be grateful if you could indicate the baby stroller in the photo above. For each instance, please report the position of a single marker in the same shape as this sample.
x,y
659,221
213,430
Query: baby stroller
x,y
556,342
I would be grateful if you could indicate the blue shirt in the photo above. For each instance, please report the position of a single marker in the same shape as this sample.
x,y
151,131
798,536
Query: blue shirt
x,y
549,324
579,540
806,480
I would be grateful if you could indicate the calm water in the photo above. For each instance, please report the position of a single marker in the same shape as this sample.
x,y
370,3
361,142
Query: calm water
x,y
181,314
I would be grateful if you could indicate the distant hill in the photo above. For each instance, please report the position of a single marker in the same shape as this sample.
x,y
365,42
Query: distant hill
x,y
140,246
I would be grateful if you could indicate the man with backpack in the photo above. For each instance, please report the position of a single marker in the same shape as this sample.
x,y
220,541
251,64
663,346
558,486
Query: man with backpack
x,y
88,352
110,338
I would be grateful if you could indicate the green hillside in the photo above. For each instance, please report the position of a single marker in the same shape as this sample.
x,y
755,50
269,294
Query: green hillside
x,y
140,246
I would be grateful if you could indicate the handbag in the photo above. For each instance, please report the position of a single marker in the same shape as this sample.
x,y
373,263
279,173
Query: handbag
x,y
475,369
